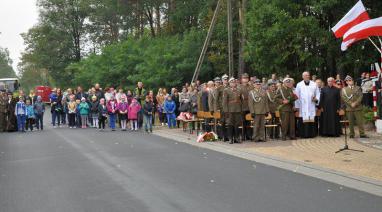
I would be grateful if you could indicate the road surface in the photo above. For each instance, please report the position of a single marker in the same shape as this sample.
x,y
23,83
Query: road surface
x,y
76,170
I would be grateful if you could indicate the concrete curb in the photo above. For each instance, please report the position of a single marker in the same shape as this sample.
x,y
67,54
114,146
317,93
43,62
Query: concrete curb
x,y
351,181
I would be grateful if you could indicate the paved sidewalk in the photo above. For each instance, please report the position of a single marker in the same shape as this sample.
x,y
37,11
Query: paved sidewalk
x,y
318,152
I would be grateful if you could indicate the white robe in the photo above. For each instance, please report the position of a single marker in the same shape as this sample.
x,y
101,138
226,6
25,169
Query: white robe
x,y
305,105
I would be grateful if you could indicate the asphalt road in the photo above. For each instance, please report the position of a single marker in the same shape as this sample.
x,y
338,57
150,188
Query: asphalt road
x,y
75,170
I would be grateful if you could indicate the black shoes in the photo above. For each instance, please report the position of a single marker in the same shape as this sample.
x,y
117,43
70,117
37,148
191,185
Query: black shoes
x,y
364,136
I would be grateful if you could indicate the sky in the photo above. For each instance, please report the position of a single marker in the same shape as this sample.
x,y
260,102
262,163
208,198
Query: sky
x,y
16,17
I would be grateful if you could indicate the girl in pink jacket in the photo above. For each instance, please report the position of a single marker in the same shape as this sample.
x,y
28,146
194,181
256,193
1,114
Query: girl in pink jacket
x,y
133,111
112,109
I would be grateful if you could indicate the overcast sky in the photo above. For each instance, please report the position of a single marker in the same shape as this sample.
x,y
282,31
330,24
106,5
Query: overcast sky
x,y
16,16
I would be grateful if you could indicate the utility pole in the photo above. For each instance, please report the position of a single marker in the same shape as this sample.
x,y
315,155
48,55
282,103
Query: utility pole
x,y
230,38
206,42
243,34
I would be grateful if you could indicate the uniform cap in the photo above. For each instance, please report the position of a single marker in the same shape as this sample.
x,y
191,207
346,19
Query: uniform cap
x,y
232,79
286,80
348,78
225,77
257,81
245,75
217,79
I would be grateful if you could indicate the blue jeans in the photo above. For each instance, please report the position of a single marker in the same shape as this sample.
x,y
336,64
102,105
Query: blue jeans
x,y
21,122
39,121
56,116
112,118
171,119
148,122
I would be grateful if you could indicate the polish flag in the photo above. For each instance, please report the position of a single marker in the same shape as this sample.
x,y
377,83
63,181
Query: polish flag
x,y
356,15
372,27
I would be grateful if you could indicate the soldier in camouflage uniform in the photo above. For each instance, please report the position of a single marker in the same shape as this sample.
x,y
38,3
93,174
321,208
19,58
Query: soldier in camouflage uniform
x,y
352,97
245,88
232,106
285,98
273,105
258,106
3,111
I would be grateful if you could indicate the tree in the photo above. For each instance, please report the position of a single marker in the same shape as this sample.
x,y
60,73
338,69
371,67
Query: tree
x,y
6,69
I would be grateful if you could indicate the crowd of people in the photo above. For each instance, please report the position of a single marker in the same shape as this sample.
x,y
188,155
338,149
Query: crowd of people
x,y
305,109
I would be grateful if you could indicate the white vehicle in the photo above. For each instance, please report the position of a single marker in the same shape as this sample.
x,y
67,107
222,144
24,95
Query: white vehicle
x,y
9,84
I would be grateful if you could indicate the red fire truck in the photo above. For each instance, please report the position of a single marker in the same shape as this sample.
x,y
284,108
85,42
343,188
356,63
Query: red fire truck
x,y
44,92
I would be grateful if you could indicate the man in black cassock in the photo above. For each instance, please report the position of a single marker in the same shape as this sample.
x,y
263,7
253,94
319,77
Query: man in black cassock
x,y
330,103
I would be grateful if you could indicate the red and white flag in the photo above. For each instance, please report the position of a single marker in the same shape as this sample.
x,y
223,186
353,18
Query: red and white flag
x,y
362,31
356,15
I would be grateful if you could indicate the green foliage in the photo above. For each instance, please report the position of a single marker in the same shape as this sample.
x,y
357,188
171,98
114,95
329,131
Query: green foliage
x,y
368,114
119,42
165,61
6,70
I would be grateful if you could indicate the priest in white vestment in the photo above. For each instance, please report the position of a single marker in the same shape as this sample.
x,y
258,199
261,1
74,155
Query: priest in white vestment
x,y
308,96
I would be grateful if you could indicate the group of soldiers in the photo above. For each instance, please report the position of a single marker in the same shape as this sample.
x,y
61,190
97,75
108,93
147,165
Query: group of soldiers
x,y
234,100
244,105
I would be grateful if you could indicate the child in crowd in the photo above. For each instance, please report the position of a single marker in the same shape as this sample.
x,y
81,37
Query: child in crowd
x,y
39,110
169,108
29,116
112,108
78,114
102,114
72,109
84,112
64,112
148,109
134,109
123,109
94,104
20,112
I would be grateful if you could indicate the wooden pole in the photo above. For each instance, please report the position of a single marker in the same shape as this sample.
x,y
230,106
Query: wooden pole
x,y
206,43
230,37
242,12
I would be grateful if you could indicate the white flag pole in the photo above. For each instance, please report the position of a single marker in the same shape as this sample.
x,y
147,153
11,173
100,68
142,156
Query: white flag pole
x,y
375,45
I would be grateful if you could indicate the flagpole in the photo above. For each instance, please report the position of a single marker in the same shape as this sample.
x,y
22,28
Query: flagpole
x,y
375,45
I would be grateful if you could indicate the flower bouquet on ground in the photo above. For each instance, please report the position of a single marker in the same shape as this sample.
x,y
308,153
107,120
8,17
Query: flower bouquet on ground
x,y
185,116
206,137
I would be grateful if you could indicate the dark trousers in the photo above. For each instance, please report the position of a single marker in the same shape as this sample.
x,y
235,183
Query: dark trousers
x,y
56,116
63,118
72,119
101,123
29,124
39,121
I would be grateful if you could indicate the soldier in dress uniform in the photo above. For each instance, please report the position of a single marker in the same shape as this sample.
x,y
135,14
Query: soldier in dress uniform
x,y
213,96
352,97
245,88
273,105
232,105
258,106
3,110
285,98
223,115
